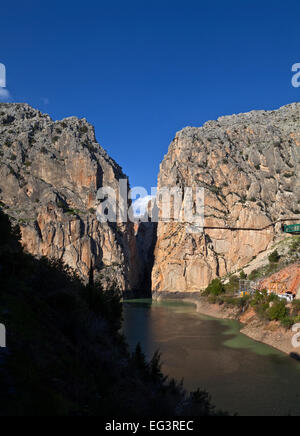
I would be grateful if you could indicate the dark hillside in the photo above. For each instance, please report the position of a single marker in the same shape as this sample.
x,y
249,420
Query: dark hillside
x,y
65,355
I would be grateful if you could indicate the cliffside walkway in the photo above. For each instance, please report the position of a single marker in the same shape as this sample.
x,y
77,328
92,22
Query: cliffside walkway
x,y
251,229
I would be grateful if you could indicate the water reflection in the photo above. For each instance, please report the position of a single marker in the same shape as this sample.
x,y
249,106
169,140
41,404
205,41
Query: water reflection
x,y
241,374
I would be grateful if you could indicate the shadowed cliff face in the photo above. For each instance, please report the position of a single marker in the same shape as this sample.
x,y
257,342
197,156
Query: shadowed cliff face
x,y
146,241
49,176
249,165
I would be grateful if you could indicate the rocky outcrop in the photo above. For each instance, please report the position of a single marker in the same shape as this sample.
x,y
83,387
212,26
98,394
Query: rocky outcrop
x,y
49,176
286,280
249,166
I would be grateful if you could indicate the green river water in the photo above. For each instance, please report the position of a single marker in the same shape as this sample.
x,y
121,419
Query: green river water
x,y
242,375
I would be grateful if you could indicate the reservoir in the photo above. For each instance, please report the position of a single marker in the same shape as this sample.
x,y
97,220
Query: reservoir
x,y
242,376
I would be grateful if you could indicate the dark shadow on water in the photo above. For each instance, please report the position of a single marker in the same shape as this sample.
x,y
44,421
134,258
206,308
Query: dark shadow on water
x,y
137,325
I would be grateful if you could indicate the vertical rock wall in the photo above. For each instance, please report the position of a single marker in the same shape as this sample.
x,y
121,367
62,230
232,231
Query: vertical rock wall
x,y
249,165
49,176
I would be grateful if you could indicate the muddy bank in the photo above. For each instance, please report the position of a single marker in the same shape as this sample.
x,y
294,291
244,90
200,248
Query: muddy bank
x,y
269,333
213,310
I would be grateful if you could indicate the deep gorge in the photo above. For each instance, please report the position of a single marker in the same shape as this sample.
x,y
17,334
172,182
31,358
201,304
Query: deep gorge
x,y
248,164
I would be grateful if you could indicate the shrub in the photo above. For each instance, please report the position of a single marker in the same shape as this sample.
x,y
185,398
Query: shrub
x,y
233,285
296,319
62,205
287,322
83,129
254,274
73,212
243,275
274,257
296,307
237,302
215,288
261,303
259,298
278,311
212,299
295,247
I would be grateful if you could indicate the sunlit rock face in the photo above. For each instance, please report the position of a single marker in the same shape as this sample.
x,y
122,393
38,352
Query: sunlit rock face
x,y
49,176
286,280
249,167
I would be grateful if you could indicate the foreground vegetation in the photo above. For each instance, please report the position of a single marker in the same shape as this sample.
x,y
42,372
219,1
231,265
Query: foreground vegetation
x,y
65,354
267,307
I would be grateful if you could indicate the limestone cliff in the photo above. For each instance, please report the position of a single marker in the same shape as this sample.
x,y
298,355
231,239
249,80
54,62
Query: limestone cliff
x,y
49,175
249,166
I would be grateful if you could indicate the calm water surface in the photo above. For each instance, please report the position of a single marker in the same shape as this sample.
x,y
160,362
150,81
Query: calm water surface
x,y
242,375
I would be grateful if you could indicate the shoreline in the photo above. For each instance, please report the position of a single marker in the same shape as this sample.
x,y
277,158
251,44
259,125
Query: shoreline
x,y
269,333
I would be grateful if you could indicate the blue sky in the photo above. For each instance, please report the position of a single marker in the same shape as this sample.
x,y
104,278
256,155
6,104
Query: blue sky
x,y
142,70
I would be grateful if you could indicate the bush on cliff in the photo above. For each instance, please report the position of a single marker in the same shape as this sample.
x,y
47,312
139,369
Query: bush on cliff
x,y
243,275
287,322
278,312
271,308
215,288
241,303
274,257
261,303
296,307
294,250
233,285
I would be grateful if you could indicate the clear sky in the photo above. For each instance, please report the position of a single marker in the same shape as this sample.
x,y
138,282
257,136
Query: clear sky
x,y
142,70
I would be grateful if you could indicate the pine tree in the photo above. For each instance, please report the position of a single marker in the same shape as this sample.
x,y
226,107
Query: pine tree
x,y
91,284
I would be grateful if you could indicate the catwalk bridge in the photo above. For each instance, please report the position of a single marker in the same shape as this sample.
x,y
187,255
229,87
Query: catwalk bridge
x,y
293,229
